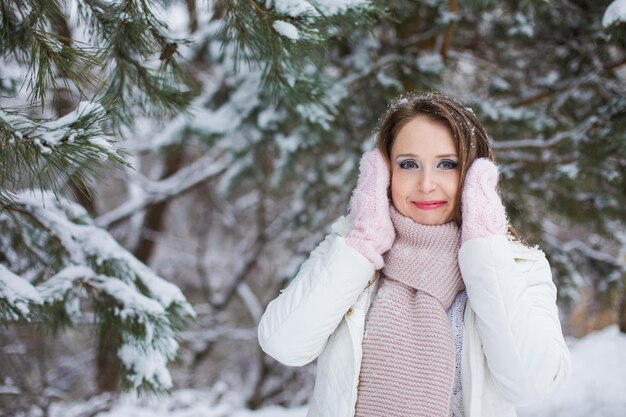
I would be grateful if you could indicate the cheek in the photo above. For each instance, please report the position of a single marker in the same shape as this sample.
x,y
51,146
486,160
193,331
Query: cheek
x,y
452,187
399,185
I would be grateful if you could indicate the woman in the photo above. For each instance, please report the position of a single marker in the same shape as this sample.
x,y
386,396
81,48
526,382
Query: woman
x,y
462,320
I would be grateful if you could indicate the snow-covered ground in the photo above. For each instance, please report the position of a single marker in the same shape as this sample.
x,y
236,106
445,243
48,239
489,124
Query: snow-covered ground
x,y
597,388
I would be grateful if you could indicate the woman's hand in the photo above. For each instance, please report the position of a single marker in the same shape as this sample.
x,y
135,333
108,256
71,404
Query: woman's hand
x,y
373,233
481,208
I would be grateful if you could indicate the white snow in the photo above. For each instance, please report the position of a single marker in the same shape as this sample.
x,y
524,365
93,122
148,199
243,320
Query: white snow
x,y
181,403
84,241
272,412
522,26
229,116
294,8
430,62
297,8
205,167
286,29
595,388
84,108
54,45
46,135
570,170
333,7
56,130
17,291
269,117
147,365
386,81
56,287
133,301
503,112
615,13
146,355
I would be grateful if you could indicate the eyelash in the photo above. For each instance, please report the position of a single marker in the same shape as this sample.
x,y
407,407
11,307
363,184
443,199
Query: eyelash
x,y
404,164
452,163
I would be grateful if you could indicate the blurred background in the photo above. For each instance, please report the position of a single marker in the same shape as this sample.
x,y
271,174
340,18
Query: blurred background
x,y
186,156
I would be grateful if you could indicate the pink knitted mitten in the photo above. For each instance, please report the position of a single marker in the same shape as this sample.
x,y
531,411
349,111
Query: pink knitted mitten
x,y
481,208
373,233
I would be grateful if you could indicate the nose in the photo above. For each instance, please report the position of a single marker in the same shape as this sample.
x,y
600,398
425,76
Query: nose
x,y
426,183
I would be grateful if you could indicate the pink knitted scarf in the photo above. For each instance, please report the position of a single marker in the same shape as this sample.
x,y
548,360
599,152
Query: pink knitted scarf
x,y
408,350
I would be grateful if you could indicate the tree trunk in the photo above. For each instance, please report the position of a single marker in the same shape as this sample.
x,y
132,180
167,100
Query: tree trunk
x,y
63,104
153,220
193,15
449,31
107,363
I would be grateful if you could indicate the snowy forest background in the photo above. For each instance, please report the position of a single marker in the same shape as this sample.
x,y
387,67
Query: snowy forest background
x,y
166,166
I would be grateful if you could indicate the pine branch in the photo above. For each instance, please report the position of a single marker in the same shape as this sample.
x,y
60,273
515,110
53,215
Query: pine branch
x,y
289,45
91,272
141,59
18,297
138,325
26,39
47,153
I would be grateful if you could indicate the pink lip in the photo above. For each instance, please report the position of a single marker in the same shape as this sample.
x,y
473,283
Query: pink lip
x,y
428,205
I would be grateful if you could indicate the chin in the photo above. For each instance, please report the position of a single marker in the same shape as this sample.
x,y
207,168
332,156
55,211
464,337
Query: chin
x,y
430,220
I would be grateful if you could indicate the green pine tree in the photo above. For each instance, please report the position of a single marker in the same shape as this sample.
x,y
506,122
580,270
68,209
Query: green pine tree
x,y
259,114
68,108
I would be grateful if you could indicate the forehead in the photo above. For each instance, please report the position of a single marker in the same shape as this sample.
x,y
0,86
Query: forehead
x,y
423,137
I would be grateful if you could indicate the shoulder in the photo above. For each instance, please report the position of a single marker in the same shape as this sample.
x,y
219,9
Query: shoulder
x,y
525,252
505,254
531,261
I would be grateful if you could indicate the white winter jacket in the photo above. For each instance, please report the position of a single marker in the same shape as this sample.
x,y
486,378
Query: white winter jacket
x,y
513,349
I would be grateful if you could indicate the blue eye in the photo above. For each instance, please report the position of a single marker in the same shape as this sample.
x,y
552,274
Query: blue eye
x,y
447,164
408,164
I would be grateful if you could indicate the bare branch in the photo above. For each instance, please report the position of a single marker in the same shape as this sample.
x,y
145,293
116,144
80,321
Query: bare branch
x,y
540,143
594,254
246,265
203,169
567,84
250,300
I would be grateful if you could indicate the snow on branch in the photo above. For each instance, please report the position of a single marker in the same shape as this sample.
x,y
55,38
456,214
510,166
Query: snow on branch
x,y
49,153
206,122
615,13
140,310
287,39
83,122
203,169
540,143
17,294
130,301
144,354
591,253
300,8
86,243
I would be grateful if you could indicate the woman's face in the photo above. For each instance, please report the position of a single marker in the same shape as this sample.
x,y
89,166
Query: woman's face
x,y
425,172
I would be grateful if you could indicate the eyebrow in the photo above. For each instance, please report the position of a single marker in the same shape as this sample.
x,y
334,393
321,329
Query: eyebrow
x,y
436,156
